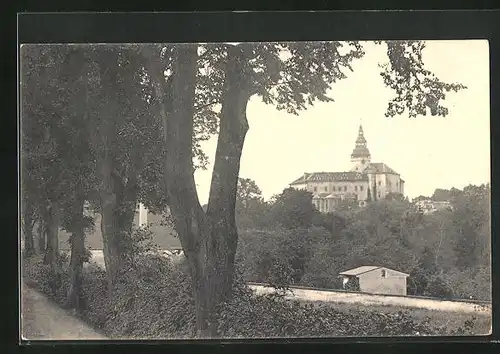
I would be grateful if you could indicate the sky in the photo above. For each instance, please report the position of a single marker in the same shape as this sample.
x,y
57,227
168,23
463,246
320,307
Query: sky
x,y
428,152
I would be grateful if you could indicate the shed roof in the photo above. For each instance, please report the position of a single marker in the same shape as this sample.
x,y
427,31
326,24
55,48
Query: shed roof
x,y
366,269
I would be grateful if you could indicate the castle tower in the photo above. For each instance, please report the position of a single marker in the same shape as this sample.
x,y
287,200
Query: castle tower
x,y
360,156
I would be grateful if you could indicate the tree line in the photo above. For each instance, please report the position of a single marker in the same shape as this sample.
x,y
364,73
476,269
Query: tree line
x,y
447,253
111,125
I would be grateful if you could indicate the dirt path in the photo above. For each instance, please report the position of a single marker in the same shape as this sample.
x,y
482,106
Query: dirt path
x,y
371,299
41,319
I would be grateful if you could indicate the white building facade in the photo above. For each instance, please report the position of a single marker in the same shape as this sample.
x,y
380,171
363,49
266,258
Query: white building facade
x,y
366,181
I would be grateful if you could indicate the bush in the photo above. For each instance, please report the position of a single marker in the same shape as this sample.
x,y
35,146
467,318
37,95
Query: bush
x,y
274,316
153,301
150,301
36,274
40,276
352,284
438,288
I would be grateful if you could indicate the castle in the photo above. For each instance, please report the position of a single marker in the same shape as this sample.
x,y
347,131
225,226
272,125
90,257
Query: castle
x,y
366,181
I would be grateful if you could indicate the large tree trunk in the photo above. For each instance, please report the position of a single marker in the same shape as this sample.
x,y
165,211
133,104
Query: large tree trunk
x,y
127,195
41,232
105,143
27,228
77,243
223,239
111,233
209,240
52,228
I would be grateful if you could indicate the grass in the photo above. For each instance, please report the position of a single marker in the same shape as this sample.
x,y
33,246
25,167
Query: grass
x,y
450,320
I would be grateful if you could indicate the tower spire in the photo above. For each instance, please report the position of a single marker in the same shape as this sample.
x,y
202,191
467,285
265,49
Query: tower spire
x,y
360,155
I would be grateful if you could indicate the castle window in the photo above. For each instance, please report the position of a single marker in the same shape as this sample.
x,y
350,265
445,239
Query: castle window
x,y
315,189
345,188
356,188
333,189
361,188
379,183
326,189
384,274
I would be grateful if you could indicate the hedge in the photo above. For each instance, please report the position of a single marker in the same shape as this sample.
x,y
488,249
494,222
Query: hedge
x,y
153,301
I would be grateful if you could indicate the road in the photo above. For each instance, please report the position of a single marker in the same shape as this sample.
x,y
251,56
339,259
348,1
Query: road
x,y
378,300
41,319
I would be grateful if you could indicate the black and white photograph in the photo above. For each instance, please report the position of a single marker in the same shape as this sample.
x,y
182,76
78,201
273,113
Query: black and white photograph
x,y
249,190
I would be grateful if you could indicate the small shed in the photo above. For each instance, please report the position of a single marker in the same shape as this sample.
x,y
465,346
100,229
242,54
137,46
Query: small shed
x,y
375,280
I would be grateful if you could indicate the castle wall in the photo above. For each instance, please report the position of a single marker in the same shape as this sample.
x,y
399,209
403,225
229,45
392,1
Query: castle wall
x,y
360,188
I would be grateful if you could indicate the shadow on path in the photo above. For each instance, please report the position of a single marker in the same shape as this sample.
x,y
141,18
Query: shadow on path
x,y
42,319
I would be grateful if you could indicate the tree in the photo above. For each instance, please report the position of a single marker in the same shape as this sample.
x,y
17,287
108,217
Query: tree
x,y
424,272
247,190
251,209
471,214
111,99
55,153
395,196
441,195
437,287
369,196
43,177
293,209
237,72
27,224
419,198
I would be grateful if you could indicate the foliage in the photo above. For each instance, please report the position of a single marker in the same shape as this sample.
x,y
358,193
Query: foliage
x,y
418,90
352,284
138,243
278,256
251,209
269,316
154,301
389,232
293,209
247,190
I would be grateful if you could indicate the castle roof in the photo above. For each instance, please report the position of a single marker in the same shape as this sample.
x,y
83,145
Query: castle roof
x,y
351,176
331,177
380,167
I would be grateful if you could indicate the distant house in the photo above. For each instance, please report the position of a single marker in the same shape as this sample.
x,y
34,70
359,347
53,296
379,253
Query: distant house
x,y
375,280
163,236
429,206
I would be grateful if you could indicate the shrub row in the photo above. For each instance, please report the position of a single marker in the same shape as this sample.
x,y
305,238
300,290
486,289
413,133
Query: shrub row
x,y
153,300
